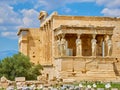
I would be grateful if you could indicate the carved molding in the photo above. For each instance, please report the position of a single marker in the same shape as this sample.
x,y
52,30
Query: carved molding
x,y
83,30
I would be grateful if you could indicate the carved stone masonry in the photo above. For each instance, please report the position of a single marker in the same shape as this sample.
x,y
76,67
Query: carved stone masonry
x,y
58,46
93,41
78,46
109,46
63,46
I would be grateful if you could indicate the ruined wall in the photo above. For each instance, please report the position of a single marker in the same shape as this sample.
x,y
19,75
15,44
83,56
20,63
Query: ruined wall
x,y
38,46
23,47
34,45
23,43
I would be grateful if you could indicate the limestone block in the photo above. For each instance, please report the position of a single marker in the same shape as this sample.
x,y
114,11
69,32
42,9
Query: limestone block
x,y
114,88
19,79
3,79
4,85
68,80
67,65
100,88
79,65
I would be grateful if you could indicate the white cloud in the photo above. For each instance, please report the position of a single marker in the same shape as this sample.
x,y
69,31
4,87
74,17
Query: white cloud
x,y
1,20
11,35
12,2
53,4
3,28
10,20
8,16
30,18
66,10
109,3
75,1
102,2
114,4
112,7
8,33
49,5
111,12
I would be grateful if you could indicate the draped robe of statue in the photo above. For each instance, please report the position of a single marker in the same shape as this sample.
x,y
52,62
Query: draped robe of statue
x,y
78,47
109,44
93,41
58,47
63,47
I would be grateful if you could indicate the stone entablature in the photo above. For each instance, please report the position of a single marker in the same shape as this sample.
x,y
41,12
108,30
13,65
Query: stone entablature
x,y
65,29
87,18
23,33
22,30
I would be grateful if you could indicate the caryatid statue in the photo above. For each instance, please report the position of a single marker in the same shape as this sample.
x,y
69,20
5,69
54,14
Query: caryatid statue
x,y
94,45
78,46
109,44
58,46
63,46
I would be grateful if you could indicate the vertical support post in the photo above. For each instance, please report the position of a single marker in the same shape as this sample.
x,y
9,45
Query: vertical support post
x,y
63,45
93,42
103,48
58,46
109,45
78,46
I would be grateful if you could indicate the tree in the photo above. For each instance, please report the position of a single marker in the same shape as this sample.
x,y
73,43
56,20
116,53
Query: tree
x,y
19,65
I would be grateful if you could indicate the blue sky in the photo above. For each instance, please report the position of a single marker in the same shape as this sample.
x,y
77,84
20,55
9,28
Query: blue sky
x,y
15,14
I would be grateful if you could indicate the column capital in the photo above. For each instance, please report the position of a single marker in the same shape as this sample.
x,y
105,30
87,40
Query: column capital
x,y
47,26
93,35
63,35
58,37
44,27
78,36
78,46
94,44
108,37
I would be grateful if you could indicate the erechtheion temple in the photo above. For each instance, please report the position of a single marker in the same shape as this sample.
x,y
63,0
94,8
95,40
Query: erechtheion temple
x,y
74,47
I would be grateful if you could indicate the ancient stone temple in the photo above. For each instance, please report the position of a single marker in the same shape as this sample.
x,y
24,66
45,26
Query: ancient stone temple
x,y
74,47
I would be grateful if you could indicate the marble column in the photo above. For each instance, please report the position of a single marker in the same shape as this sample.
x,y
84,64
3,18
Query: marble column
x,y
103,48
78,46
109,45
94,45
63,45
58,46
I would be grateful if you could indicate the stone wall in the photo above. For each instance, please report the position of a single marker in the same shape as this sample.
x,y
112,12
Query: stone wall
x,y
89,68
37,45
